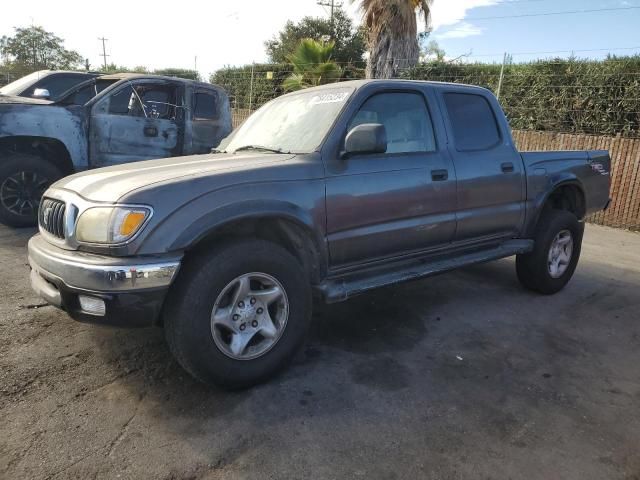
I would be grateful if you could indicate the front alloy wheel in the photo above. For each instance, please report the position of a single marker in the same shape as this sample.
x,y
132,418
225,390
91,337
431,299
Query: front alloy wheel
x,y
249,316
20,193
238,311
23,179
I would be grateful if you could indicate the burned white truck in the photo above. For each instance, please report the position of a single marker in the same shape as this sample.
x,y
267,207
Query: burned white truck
x,y
108,120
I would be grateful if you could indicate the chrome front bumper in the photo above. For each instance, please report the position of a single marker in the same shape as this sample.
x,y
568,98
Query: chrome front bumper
x,y
124,291
97,273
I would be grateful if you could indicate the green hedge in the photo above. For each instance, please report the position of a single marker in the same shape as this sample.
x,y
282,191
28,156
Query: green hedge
x,y
577,96
562,95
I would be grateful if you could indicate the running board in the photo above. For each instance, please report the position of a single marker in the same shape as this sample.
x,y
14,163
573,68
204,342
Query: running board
x,y
341,288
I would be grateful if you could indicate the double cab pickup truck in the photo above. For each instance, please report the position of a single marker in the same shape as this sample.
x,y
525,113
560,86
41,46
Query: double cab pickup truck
x,y
321,194
107,120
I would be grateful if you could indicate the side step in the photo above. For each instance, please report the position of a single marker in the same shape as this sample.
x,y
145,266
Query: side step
x,y
341,288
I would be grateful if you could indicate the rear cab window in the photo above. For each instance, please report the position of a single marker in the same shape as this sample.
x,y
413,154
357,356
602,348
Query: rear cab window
x,y
472,120
205,105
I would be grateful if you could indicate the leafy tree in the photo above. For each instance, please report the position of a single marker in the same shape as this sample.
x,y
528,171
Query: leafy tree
x,y
169,72
433,52
179,72
312,65
393,34
114,68
34,48
349,41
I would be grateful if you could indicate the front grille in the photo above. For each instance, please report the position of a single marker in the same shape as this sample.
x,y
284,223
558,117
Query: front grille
x,y
51,217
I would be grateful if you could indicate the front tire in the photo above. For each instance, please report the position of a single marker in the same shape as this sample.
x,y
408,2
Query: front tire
x,y
237,315
551,264
23,180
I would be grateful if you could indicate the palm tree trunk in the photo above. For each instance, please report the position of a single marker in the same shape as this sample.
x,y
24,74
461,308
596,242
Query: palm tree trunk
x,y
389,55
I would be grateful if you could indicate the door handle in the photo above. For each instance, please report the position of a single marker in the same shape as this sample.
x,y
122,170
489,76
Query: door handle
x,y
439,175
150,132
507,167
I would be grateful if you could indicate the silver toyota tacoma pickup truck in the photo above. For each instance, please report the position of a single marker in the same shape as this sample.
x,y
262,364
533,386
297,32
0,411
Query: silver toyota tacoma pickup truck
x,y
325,193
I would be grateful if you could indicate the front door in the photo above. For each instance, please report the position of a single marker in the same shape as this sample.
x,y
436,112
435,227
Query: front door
x,y
385,205
139,121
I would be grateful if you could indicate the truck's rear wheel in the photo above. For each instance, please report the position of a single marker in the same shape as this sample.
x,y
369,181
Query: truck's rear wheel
x,y
236,316
550,266
23,180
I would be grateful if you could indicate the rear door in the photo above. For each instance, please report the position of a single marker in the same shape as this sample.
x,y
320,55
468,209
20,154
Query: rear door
x,y
141,120
389,204
207,123
490,175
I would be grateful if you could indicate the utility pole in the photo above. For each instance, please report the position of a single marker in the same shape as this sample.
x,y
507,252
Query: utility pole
x,y
104,51
504,60
253,65
331,4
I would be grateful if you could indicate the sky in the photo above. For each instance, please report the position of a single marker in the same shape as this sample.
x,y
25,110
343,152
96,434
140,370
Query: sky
x,y
211,35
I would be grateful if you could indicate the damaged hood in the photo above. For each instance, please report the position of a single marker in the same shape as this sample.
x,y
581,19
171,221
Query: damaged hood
x,y
110,184
10,99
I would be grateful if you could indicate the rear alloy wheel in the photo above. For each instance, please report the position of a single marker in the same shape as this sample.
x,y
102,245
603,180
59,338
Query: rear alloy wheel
x,y
23,180
560,253
550,266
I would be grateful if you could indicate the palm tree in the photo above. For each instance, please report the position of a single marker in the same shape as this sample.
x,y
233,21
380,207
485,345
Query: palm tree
x,y
312,65
393,34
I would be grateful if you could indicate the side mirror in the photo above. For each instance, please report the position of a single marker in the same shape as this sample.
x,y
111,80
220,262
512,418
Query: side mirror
x,y
366,138
41,93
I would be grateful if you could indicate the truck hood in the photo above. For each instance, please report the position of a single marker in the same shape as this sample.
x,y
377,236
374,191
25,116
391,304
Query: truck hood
x,y
109,184
23,100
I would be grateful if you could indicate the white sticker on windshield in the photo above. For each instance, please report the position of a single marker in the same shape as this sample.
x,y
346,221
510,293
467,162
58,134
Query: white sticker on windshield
x,y
329,98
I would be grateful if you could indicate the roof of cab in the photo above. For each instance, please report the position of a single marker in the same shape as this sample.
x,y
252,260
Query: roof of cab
x,y
134,76
357,84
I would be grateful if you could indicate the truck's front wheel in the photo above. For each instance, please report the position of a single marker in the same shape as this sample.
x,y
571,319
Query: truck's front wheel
x,y
23,180
237,315
558,241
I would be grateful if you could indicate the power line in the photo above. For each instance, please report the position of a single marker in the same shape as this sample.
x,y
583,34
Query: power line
x,y
556,51
546,14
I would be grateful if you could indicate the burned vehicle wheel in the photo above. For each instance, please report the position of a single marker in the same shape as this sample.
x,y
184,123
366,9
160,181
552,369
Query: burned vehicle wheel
x,y
23,180
235,316
550,266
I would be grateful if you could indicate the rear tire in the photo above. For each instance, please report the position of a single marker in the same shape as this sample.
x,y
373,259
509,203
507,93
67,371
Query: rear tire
x,y
203,320
23,180
550,266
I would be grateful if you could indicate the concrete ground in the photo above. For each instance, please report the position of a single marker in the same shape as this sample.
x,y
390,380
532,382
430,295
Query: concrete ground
x,y
464,375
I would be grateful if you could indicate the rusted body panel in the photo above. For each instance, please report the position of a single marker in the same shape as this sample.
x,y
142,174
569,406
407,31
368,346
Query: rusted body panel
x,y
94,136
66,125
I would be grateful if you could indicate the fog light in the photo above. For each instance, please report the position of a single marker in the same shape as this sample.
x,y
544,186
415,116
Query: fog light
x,y
92,305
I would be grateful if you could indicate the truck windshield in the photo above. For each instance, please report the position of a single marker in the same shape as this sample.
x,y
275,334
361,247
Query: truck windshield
x,y
294,123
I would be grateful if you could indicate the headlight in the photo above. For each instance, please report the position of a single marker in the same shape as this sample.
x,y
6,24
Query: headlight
x,y
110,225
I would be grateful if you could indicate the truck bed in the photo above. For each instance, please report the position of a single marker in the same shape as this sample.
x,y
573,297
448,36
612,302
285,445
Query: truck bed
x,y
583,168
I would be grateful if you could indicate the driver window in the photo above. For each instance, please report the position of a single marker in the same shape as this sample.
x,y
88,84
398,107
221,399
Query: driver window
x,y
405,118
152,101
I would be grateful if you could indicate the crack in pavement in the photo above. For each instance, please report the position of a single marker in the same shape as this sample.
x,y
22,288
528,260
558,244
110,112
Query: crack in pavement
x,y
125,428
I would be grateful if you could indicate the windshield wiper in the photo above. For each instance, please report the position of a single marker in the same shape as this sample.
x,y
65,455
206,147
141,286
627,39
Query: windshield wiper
x,y
259,147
